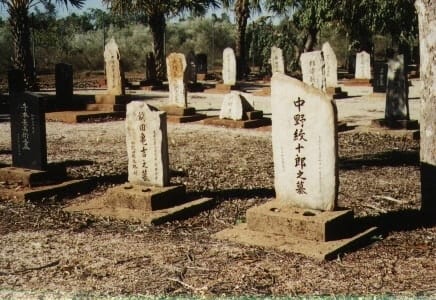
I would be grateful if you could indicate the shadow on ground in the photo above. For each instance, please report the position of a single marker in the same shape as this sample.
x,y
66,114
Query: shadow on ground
x,y
391,158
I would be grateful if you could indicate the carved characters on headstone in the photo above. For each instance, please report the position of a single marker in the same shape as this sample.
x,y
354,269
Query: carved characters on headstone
x,y
277,62
176,67
313,69
363,65
331,65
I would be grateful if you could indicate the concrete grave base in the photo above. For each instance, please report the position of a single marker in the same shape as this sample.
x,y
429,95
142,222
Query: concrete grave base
x,y
150,204
254,123
357,82
32,178
336,92
221,88
318,234
396,124
266,91
83,116
177,114
109,103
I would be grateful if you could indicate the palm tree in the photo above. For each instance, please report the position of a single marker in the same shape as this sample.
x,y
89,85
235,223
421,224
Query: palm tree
x,y
155,13
242,10
18,11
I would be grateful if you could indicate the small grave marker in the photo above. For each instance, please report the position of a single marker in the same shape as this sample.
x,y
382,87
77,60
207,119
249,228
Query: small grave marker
x,y
114,76
313,69
176,66
363,66
277,62
229,67
64,83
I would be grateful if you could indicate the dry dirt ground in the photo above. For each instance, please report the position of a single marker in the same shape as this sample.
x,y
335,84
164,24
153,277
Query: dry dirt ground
x,y
47,252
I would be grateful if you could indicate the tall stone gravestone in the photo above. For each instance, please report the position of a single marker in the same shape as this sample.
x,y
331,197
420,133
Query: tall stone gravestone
x,y
380,76
277,62
304,145
229,67
313,69
150,67
147,146
397,106
28,136
363,66
114,76
201,60
331,65
176,66
191,68
64,84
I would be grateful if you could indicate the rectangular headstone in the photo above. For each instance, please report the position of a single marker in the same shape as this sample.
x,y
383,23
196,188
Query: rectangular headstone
x,y
191,68
304,139
150,67
176,67
28,135
114,75
64,83
15,81
201,60
331,65
147,145
313,69
363,66
380,77
229,67
277,62
397,105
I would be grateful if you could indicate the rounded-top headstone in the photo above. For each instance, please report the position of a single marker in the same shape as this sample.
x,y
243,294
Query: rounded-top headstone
x,y
113,68
363,65
176,67
277,62
229,67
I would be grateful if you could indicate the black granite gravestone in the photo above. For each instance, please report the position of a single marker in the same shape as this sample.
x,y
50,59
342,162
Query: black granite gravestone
x,y
28,136
15,81
201,60
64,84
380,77
150,67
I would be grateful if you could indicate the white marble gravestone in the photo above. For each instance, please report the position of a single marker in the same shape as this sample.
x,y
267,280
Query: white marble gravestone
x,y
397,107
331,65
363,66
113,70
176,66
313,69
304,140
277,63
229,67
234,105
147,145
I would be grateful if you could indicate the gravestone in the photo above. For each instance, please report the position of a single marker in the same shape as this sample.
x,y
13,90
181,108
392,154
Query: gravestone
x,y
201,60
313,69
15,81
176,66
150,67
303,217
235,107
277,62
28,137
114,76
331,65
304,145
229,67
380,76
64,84
397,106
147,146
363,66
191,68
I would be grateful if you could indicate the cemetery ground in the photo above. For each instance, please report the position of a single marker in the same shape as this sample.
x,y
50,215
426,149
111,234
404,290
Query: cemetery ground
x,y
45,250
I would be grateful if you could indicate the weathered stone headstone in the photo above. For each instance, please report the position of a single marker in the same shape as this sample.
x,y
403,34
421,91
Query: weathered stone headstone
x,y
64,83
114,76
191,68
147,145
397,107
331,65
277,62
28,136
15,81
363,66
229,67
380,77
176,66
150,67
304,144
201,60
313,69
234,106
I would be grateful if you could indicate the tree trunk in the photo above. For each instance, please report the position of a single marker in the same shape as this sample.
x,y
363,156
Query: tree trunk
x,y
310,40
242,14
427,39
22,57
157,25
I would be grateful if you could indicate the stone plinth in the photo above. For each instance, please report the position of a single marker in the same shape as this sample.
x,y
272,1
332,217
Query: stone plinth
x,y
336,92
32,178
177,114
396,124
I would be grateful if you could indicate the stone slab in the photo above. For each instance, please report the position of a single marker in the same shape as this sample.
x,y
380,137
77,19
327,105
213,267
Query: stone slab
x,y
396,124
98,208
357,82
111,99
317,250
278,217
106,107
237,124
135,196
185,119
67,188
83,116
32,178
177,110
